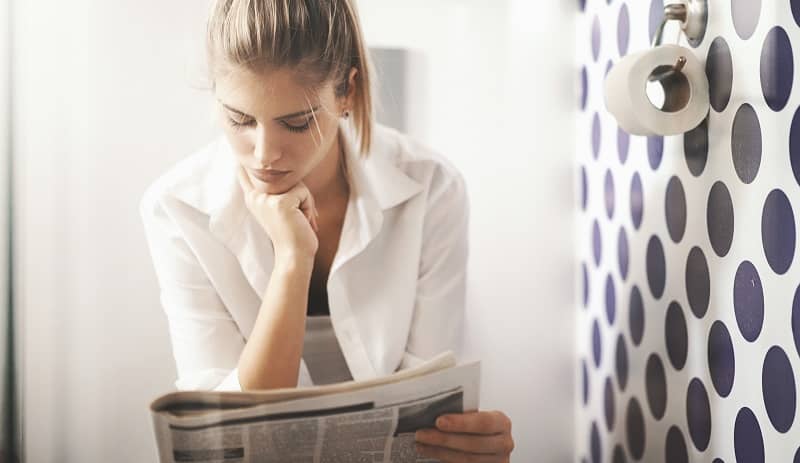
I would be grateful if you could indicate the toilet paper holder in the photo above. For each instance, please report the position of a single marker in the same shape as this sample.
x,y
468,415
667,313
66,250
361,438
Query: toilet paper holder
x,y
693,16
662,90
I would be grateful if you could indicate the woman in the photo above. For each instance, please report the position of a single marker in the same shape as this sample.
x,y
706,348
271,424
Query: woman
x,y
310,245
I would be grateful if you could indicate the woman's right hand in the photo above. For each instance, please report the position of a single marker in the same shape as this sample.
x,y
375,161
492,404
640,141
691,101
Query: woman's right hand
x,y
287,218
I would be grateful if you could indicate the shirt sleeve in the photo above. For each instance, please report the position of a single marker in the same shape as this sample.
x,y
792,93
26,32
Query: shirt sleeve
x,y
437,321
206,342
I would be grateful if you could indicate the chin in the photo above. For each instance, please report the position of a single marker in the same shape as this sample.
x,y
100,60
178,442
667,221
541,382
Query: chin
x,y
274,188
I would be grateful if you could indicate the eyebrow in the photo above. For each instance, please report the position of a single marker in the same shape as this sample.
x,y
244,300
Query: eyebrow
x,y
285,116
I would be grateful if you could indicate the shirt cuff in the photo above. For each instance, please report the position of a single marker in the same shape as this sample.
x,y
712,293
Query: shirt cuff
x,y
230,382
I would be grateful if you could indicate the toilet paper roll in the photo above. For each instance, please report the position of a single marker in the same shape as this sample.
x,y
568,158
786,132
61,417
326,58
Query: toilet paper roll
x,y
686,99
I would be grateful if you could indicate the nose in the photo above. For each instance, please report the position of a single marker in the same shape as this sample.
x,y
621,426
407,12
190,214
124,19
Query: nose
x,y
266,150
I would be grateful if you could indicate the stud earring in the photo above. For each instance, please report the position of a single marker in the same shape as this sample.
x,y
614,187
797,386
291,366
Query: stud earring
x,y
346,114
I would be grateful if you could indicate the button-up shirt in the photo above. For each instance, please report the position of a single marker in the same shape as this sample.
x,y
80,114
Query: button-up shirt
x,y
396,287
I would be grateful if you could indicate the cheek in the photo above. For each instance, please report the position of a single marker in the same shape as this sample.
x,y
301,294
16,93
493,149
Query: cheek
x,y
238,140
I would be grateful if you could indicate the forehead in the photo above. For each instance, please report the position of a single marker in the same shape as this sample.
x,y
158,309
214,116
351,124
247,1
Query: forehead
x,y
269,93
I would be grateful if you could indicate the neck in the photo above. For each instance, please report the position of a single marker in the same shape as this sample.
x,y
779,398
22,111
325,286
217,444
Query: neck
x,y
328,181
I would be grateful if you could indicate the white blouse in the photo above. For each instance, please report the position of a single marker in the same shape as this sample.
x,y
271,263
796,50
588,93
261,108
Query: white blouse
x,y
396,287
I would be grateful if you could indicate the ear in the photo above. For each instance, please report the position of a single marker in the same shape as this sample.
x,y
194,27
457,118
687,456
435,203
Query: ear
x,y
348,100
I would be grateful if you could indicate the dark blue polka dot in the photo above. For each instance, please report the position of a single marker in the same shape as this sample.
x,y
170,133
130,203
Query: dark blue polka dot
x,y
675,209
695,148
746,143
796,319
655,150
622,253
748,301
656,386
777,68
637,201
623,145
794,145
608,404
584,87
582,5
677,336
698,414
718,460
745,16
611,300
719,69
585,377
777,384
721,360
698,282
676,446
609,65
596,38
594,444
748,443
585,272
621,363
596,135
797,454
609,191
584,188
796,14
656,16
778,231
634,429
619,455
656,267
719,216
596,343
597,243
623,30
636,316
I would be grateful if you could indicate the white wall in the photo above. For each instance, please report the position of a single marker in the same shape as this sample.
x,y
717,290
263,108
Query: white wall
x,y
105,102
497,99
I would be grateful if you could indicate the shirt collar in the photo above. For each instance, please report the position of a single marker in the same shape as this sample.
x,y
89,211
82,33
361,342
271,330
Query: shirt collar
x,y
377,182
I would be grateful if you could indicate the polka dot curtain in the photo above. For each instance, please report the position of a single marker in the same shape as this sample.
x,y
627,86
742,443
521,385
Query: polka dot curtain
x,y
689,285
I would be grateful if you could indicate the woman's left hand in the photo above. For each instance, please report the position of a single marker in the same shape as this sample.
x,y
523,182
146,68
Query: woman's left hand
x,y
482,436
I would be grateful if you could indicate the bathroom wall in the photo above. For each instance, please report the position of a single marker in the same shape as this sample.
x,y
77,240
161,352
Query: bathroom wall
x,y
129,101
688,301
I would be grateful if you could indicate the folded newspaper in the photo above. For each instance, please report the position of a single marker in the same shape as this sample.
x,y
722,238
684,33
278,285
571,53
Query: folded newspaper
x,y
354,421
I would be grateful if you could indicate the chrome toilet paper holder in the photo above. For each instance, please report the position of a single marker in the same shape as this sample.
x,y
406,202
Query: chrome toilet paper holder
x,y
693,16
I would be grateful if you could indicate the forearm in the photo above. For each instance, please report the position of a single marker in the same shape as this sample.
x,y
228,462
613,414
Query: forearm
x,y
271,357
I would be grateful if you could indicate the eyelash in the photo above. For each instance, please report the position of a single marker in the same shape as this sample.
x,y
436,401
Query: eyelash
x,y
296,129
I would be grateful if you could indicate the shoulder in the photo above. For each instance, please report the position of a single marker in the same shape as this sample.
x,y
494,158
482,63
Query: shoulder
x,y
186,180
435,171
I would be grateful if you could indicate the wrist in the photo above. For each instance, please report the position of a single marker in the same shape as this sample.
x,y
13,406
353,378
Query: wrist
x,y
293,262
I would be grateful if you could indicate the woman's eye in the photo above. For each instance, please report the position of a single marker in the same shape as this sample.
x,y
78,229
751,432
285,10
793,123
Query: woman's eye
x,y
241,123
297,127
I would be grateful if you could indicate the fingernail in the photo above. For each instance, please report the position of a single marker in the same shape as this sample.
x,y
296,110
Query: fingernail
x,y
442,422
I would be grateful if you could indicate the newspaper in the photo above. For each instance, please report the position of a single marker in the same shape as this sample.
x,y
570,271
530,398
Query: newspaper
x,y
355,421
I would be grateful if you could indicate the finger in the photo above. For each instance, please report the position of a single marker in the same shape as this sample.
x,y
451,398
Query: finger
x,y
446,455
496,444
480,422
307,204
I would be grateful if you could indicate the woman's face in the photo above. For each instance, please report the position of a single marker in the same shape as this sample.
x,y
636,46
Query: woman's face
x,y
273,122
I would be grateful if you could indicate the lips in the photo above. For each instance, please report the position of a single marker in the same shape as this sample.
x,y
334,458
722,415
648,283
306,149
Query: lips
x,y
270,175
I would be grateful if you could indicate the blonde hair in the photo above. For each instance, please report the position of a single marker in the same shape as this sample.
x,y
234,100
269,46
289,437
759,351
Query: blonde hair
x,y
322,39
